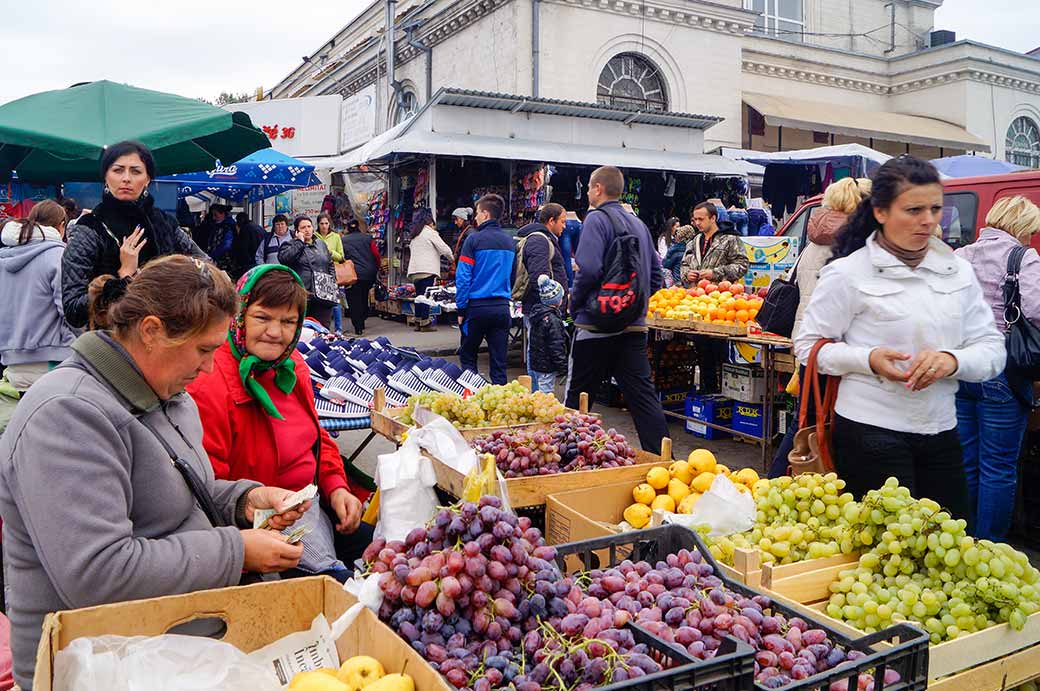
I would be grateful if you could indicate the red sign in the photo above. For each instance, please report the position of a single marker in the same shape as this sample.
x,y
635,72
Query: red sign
x,y
273,132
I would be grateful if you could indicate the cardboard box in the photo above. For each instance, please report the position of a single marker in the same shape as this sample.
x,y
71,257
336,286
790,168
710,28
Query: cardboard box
x,y
747,418
596,512
715,409
255,615
746,383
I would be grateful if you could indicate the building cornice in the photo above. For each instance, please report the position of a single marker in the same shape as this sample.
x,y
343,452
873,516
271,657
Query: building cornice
x,y
701,15
813,74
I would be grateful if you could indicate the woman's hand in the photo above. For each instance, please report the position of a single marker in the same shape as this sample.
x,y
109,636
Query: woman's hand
x,y
267,551
272,498
129,251
929,367
348,510
883,363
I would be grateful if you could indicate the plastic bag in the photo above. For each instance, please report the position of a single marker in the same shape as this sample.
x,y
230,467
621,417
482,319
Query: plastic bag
x,y
723,509
486,479
159,663
442,440
406,497
368,593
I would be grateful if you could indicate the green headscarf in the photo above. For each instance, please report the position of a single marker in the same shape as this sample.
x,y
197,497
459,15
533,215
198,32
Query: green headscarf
x,y
249,365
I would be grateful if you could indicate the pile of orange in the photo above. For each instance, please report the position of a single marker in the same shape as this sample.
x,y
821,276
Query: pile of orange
x,y
724,303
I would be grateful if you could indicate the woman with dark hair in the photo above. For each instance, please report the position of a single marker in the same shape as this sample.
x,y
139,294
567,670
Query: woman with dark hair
x,y
334,242
121,233
106,491
361,249
424,264
34,336
664,235
310,258
908,322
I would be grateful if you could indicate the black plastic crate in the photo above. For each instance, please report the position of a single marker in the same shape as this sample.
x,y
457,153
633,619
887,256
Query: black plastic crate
x,y
732,668
904,649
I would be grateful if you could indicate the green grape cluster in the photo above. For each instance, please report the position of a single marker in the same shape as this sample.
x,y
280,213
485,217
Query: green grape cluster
x,y
492,406
796,518
921,566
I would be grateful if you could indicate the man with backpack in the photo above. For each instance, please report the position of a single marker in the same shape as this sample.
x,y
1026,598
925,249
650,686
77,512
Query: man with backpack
x,y
618,270
483,289
538,253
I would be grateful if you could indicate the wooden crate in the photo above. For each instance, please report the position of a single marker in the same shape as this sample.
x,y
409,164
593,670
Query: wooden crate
x,y
387,421
992,659
526,492
695,327
596,512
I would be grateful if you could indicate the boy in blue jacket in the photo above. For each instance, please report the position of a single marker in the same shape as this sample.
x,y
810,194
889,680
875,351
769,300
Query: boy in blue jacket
x,y
483,288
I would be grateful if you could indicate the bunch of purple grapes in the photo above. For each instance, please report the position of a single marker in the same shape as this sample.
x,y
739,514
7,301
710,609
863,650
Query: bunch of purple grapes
x,y
681,601
575,441
477,593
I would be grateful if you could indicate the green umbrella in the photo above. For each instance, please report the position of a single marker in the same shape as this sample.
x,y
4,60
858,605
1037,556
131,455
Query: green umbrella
x,y
59,136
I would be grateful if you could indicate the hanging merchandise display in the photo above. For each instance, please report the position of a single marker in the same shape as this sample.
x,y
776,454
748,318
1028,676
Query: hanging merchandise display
x,y
529,193
633,188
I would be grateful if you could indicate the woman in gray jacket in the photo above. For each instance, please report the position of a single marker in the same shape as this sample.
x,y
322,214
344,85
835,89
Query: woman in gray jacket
x,y
106,490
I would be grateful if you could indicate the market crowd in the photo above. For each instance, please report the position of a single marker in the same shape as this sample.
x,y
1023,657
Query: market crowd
x,y
186,398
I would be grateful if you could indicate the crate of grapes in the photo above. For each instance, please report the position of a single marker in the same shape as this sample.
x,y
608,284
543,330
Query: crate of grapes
x,y
674,588
393,423
564,457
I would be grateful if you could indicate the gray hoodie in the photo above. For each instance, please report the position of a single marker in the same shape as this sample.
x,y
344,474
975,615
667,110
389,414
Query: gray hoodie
x,y
32,322
94,511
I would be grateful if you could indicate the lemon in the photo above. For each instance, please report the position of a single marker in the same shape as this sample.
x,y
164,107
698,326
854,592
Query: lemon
x,y
664,503
702,460
644,494
637,515
702,483
688,502
680,470
677,490
658,478
721,470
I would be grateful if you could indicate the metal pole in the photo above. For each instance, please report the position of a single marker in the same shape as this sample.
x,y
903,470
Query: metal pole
x,y
536,45
391,79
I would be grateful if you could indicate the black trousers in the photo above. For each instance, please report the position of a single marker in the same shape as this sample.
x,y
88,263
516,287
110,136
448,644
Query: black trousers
x,y
422,312
624,357
929,465
490,323
712,353
320,310
357,304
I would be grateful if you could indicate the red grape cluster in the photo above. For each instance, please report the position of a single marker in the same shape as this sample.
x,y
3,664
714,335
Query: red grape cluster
x,y
477,593
682,601
575,441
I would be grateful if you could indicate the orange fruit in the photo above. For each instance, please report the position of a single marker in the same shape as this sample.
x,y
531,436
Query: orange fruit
x,y
753,312
742,304
731,315
742,315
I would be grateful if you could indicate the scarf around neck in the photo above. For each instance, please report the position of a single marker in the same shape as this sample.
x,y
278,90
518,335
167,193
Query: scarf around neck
x,y
250,365
911,258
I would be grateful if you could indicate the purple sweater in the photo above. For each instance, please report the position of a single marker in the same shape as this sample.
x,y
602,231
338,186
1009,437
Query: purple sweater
x,y
988,256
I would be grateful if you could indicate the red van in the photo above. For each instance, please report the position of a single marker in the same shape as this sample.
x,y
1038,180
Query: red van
x,y
966,201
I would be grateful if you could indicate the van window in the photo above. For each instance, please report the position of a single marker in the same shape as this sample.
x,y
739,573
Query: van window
x,y
960,210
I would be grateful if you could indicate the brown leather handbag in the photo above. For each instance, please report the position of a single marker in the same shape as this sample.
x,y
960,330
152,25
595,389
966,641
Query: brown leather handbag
x,y
811,452
345,274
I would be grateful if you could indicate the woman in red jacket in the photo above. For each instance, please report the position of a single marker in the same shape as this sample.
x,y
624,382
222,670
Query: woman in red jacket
x,y
259,421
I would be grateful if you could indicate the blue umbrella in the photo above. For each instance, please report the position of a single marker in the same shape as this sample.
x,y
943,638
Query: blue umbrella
x,y
259,175
973,166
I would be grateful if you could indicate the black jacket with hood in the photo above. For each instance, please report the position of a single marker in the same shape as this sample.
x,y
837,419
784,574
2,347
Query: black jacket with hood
x,y
536,258
548,347
93,246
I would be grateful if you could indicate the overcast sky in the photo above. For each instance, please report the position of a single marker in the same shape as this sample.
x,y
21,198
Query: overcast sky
x,y
203,47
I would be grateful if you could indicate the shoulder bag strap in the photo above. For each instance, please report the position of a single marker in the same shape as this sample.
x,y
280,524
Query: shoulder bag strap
x,y
1012,291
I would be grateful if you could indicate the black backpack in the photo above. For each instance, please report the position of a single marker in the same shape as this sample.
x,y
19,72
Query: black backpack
x,y
621,297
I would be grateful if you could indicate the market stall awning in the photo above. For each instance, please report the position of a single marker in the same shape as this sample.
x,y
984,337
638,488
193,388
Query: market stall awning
x,y
972,166
817,116
434,143
258,176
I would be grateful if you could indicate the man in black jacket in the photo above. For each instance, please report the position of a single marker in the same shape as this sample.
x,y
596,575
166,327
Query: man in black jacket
x,y
248,236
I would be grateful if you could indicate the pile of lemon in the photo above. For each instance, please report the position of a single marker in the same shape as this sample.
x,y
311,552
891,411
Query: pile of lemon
x,y
678,488
731,307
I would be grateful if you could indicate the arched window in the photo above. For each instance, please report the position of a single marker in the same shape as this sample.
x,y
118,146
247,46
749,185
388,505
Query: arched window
x,y
631,81
1023,143
407,106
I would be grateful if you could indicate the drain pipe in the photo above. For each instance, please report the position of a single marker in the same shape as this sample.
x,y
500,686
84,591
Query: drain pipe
x,y
536,44
391,48
420,46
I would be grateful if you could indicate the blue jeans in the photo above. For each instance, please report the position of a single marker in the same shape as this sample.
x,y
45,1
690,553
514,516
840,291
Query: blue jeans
x,y
544,382
991,423
337,316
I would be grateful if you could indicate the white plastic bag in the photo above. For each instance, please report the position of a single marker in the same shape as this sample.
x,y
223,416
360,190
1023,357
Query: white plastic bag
x,y
406,497
160,663
722,508
368,593
442,440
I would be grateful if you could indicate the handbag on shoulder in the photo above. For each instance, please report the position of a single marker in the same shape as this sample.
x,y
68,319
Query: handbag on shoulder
x,y
780,307
1022,337
811,452
346,275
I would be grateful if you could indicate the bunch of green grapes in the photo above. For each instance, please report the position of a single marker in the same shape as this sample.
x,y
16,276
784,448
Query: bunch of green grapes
x,y
456,410
492,406
921,566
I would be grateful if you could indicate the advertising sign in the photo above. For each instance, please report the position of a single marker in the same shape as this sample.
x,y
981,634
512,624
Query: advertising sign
x,y
358,118
297,126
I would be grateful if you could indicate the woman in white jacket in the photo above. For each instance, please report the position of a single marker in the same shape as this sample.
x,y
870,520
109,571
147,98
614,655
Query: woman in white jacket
x,y
424,266
909,321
